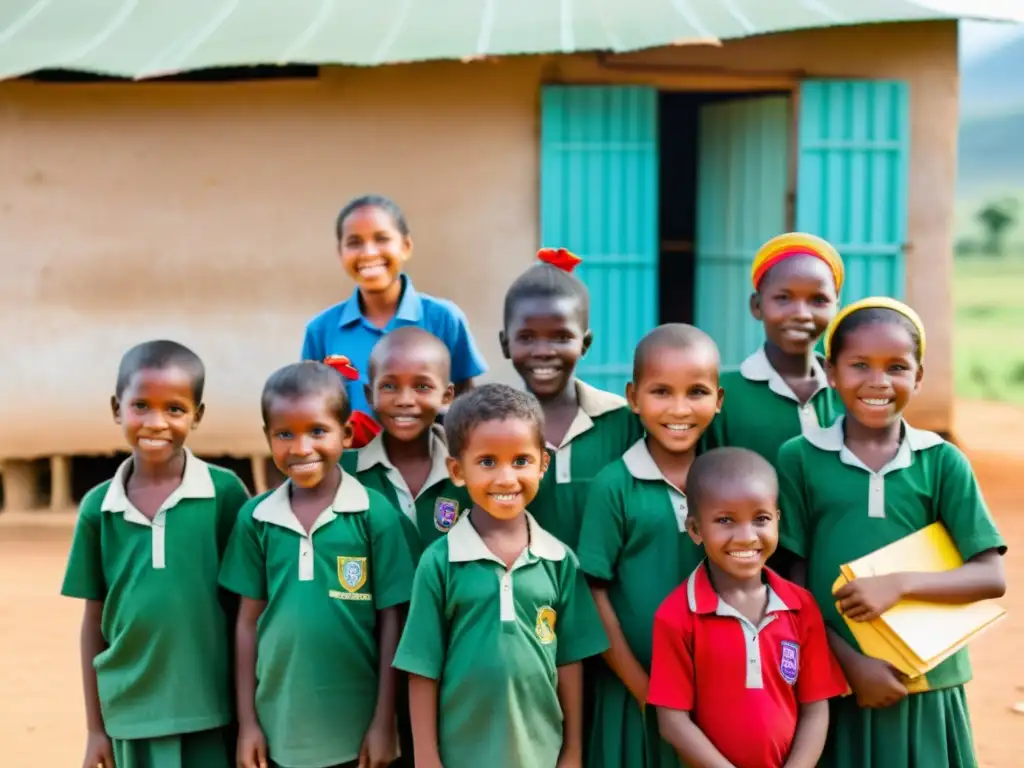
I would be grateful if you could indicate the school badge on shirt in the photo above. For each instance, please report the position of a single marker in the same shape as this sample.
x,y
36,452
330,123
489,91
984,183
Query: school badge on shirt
x,y
352,577
446,513
789,664
545,629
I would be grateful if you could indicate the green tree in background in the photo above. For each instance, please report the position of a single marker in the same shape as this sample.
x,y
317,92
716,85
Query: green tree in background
x,y
997,219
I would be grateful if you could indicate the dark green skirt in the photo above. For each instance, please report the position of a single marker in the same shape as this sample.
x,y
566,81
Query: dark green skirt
x,y
203,749
621,734
925,730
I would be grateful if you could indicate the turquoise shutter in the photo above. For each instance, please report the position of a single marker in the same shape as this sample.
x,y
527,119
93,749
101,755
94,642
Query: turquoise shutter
x,y
854,151
742,179
599,198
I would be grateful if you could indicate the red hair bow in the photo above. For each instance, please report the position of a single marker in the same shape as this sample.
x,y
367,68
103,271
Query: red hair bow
x,y
342,365
364,429
560,258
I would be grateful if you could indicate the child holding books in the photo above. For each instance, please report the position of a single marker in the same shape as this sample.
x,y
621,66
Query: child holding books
x,y
859,485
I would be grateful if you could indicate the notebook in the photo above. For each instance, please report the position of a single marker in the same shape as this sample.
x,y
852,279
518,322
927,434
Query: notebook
x,y
913,636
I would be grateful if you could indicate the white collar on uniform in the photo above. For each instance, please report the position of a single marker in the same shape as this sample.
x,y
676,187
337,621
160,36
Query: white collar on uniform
x,y
465,544
757,367
832,439
277,508
593,402
196,483
641,465
374,453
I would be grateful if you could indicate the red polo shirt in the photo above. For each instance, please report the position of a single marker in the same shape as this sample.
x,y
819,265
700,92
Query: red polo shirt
x,y
743,685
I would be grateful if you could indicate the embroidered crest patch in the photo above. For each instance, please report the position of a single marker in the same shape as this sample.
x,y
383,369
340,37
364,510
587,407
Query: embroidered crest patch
x,y
352,573
446,513
545,629
789,663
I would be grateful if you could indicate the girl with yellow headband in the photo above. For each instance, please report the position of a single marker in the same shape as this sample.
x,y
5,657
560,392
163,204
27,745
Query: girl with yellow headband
x,y
861,484
781,391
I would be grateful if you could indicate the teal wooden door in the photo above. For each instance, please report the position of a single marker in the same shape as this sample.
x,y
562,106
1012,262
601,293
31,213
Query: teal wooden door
x,y
854,152
742,180
599,198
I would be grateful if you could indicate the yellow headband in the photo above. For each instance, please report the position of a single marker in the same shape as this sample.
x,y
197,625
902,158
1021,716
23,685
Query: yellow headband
x,y
873,302
795,244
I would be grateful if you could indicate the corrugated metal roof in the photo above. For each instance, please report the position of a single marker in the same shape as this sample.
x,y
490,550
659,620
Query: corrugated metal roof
x,y
147,38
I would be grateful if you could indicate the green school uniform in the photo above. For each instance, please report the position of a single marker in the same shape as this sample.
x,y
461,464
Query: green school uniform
x,y
434,510
760,411
494,638
164,679
603,429
426,517
317,652
834,510
633,538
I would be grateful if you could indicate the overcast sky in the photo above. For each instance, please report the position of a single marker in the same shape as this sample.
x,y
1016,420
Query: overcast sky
x,y
978,38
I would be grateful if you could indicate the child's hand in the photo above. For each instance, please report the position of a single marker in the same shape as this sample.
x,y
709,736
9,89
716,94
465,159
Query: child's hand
x,y
868,598
380,745
98,752
252,747
568,760
876,684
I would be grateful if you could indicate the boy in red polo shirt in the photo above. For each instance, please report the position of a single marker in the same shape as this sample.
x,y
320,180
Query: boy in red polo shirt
x,y
741,672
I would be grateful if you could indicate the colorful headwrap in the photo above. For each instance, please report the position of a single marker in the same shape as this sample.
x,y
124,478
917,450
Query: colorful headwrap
x,y
364,428
560,258
873,302
795,244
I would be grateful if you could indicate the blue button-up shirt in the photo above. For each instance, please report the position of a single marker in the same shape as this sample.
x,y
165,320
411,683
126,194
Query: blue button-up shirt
x,y
344,330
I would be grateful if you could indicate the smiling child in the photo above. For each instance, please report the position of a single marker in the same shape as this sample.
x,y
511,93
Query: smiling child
x,y
145,556
410,384
865,482
633,546
741,671
374,243
781,390
546,332
323,567
500,617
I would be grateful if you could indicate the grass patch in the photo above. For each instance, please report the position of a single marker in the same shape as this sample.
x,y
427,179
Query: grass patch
x,y
988,333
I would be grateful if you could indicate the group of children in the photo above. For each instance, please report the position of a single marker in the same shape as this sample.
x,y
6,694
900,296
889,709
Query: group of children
x,y
549,577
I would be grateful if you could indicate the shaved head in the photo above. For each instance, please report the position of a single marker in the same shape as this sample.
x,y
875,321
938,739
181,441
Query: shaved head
x,y
406,344
679,336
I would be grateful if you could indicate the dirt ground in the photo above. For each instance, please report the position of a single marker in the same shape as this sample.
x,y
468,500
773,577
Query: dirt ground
x,y
41,720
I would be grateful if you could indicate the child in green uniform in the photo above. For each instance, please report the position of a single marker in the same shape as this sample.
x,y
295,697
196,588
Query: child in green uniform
x,y
156,660
634,546
865,482
546,332
410,384
781,390
323,567
500,616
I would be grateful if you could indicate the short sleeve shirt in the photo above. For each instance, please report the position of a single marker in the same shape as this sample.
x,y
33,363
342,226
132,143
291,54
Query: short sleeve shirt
x,y
742,683
835,510
432,512
155,577
604,428
494,638
760,411
344,330
634,537
317,652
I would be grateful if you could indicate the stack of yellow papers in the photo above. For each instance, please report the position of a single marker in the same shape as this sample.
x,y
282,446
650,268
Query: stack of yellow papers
x,y
913,636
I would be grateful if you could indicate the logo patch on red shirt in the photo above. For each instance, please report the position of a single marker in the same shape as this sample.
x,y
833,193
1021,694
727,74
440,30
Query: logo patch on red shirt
x,y
789,664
